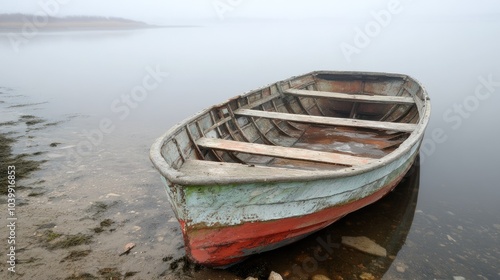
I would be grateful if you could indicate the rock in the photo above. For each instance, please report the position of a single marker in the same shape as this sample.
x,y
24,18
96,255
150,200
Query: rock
x,y
432,217
112,194
367,276
401,267
458,278
127,248
274,276
450,238
364,244
320,277
251,278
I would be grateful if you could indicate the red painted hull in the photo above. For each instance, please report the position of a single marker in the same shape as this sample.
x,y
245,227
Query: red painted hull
x,y
223,246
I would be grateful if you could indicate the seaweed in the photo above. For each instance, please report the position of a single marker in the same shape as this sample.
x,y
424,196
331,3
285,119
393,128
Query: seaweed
x,y
76,255
23,165
53,240
110,273
82,276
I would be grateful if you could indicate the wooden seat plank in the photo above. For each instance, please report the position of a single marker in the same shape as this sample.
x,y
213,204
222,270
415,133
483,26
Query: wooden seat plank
x,y
404,127
282,152
203,168
352,97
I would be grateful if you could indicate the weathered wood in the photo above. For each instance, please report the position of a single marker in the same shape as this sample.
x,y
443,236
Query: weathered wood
x,y
203,168
404,127
282,152
261,101
352,97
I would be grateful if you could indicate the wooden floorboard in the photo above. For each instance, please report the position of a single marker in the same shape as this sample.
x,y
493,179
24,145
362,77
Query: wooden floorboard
x,y
282,152
352,97
404,127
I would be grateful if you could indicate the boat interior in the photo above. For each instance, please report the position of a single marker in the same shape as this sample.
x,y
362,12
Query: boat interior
x,y
319,121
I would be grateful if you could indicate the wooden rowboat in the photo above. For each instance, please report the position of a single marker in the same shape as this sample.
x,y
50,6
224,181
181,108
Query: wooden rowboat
x,y
271,166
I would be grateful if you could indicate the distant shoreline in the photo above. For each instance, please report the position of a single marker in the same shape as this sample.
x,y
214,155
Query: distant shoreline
x,y
22,23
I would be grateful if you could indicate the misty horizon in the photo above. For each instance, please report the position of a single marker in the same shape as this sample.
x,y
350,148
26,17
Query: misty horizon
x,y
167,12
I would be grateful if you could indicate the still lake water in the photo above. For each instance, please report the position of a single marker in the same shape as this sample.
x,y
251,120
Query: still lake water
x,y
81,80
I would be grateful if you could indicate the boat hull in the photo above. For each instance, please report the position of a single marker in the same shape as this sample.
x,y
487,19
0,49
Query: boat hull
x,y
268,167
283,212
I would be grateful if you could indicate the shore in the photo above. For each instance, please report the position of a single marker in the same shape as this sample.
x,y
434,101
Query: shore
x,y
29,23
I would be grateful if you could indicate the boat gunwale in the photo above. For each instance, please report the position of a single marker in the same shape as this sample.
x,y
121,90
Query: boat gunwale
x,y
176,177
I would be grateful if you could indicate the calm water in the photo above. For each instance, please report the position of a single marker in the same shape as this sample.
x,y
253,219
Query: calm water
x,y
110,94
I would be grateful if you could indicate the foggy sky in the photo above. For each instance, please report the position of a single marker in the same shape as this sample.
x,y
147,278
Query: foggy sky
x,y
165,10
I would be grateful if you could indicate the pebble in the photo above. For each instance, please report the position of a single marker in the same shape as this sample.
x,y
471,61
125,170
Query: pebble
x,y
364,244
251,278
320,277
127,248
432,217
112,194
450,238
367,276
275,276
401,267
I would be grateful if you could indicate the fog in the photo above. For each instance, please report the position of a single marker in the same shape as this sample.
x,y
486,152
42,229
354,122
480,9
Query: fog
x,y
172,11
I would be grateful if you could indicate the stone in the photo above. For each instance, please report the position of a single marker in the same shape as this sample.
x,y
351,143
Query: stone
x,y
364,244
320,277
401,267
127,248
275,276
366,276
251,278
